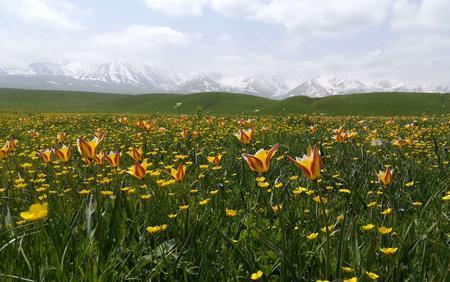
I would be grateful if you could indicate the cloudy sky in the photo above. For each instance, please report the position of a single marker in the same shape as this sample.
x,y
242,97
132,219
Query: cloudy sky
x,y
404,40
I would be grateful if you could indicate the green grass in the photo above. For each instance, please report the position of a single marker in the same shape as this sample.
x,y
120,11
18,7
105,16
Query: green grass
x,y
91,236
223,103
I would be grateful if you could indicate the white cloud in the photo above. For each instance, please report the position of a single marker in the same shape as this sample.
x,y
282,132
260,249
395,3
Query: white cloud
x,y
226,39
319,17
51,13
177,7
323,17
136,43
236,7
426,15
140,37
413,59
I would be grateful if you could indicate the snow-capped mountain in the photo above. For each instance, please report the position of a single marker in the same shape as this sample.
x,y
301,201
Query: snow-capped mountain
x,y
136,76
44,69
268,87
115,73
161,79
117,77
310,88
201,82
323,86
339,85
77,69
3,68
258,85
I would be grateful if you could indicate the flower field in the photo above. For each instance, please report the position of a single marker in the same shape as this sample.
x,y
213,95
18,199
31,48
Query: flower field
x,y
87,197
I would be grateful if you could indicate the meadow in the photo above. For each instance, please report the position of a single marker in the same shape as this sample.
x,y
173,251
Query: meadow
x,y
114,197
367,104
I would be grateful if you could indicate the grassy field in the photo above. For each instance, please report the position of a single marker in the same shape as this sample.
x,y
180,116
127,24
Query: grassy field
x,y
372,203
15,100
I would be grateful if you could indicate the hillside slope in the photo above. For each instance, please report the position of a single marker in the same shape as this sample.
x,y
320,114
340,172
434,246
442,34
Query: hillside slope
x,y
12,100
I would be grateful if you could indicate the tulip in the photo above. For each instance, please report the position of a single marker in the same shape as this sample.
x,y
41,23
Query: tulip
x,y
399,143
245,136
310,164
88,149
61,137
138,170
99,158
247,122
136,154
63,154
183,134
147,125
385,177
260,162
33,133
215,160
339,137
12,144
312,129
178,174
46,155
4,150
99,133
113,158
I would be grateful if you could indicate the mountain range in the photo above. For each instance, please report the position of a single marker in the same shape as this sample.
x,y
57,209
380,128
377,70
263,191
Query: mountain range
x,y
128,78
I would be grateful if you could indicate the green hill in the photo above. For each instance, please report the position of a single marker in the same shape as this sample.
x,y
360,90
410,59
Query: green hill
x,y
17,100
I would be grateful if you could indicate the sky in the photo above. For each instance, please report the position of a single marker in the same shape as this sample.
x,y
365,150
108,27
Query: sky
x,y
371,40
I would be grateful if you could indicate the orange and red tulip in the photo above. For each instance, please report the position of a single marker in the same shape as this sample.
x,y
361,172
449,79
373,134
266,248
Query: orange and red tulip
x,y
246,122
99,133
183,134
310,164
99,158
4,150
260,162
312,129
88,149
12,143
136,154
61,137
339,137
385,177
138,170
63,154
144,124
245,136
215,160
113,158
178,174
46,155
33,133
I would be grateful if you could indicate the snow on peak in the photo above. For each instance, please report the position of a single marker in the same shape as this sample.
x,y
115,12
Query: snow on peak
x,y
137,76
113,72
3,67
125,77
201,82
76,69
310,88
44,69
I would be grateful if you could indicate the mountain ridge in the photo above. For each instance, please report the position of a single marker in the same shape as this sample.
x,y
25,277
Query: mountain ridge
x,y
118,77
